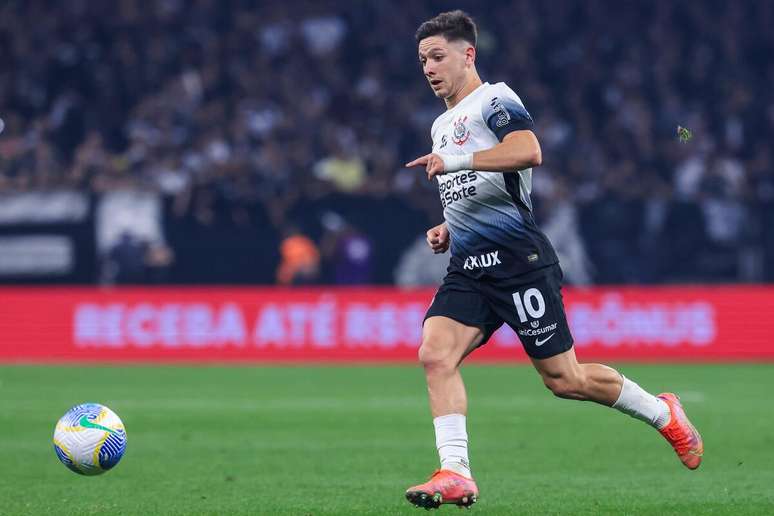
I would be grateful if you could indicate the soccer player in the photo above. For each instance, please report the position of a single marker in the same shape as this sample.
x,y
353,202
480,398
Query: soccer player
x,y
502,268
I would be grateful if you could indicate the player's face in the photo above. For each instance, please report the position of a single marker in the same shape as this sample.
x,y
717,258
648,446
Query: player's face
x,y
444,63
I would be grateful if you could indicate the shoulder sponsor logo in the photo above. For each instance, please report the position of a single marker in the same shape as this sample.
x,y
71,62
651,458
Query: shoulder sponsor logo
x,y
503,117
482,261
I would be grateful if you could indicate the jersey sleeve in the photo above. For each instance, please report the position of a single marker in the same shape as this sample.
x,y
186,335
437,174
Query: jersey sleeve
x,y
504,113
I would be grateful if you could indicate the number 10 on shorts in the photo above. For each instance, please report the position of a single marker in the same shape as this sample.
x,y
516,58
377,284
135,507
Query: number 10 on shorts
x,y
531,303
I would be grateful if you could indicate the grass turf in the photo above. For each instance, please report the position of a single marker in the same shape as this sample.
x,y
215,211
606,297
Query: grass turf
x,y
330,440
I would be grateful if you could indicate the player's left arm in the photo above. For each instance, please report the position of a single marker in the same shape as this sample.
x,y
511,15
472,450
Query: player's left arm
x,y
507,118
517,151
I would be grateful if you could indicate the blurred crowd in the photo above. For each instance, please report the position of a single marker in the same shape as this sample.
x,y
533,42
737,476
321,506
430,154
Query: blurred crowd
x,y
272,134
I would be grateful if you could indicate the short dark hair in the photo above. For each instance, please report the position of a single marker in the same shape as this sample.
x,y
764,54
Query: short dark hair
x,y
452,25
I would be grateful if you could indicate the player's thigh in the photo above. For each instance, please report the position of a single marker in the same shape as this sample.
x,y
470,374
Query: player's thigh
x,y
458,320
447,341
532,305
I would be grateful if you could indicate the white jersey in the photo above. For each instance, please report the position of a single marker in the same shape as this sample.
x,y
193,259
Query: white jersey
x,y
489,214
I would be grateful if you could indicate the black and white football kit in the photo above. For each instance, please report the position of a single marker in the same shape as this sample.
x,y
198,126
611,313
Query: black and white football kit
x,y
502,267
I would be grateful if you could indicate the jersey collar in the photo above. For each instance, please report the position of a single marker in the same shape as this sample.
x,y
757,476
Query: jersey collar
x,y
467,97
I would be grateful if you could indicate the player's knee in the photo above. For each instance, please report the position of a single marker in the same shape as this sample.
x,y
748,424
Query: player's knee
x,y
435,353
569,386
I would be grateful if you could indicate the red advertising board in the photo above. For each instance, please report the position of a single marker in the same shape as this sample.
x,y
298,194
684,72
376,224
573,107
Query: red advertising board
x,y
363,324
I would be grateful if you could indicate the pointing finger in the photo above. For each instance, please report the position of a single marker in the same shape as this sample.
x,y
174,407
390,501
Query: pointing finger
x,y
419,161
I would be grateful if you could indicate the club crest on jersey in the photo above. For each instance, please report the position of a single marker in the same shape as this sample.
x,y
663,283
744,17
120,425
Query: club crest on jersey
x,y
461,132
482,261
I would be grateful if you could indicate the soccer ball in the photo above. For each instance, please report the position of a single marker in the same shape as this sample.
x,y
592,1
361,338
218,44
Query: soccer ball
x,y
90,439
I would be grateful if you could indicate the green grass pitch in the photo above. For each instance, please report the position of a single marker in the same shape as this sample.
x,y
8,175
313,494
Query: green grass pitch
x,y
349,440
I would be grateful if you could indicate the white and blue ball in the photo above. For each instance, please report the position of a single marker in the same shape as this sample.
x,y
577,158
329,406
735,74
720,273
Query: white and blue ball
x,y
90,439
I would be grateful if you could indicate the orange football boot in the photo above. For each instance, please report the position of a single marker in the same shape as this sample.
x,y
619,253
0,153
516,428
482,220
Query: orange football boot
x,y
681,434
444,486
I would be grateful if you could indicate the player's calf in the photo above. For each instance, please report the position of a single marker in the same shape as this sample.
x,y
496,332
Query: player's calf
x,y
566,386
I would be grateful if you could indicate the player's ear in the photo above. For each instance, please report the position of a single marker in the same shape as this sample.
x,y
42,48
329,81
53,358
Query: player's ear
x,y
470,56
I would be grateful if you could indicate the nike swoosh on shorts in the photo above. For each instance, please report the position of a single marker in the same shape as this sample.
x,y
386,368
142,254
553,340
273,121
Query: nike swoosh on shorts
x,y
539,343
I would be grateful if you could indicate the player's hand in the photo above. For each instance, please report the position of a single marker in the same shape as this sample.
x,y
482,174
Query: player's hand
x,y
432,162
438,238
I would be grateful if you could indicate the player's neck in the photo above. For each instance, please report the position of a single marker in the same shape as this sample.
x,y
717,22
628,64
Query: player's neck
x,y
473,82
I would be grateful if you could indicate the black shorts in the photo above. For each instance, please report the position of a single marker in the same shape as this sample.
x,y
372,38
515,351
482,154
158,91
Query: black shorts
x,y
531,304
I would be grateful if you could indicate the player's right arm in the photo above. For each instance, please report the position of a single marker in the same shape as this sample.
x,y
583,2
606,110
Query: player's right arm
x,y
438,238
